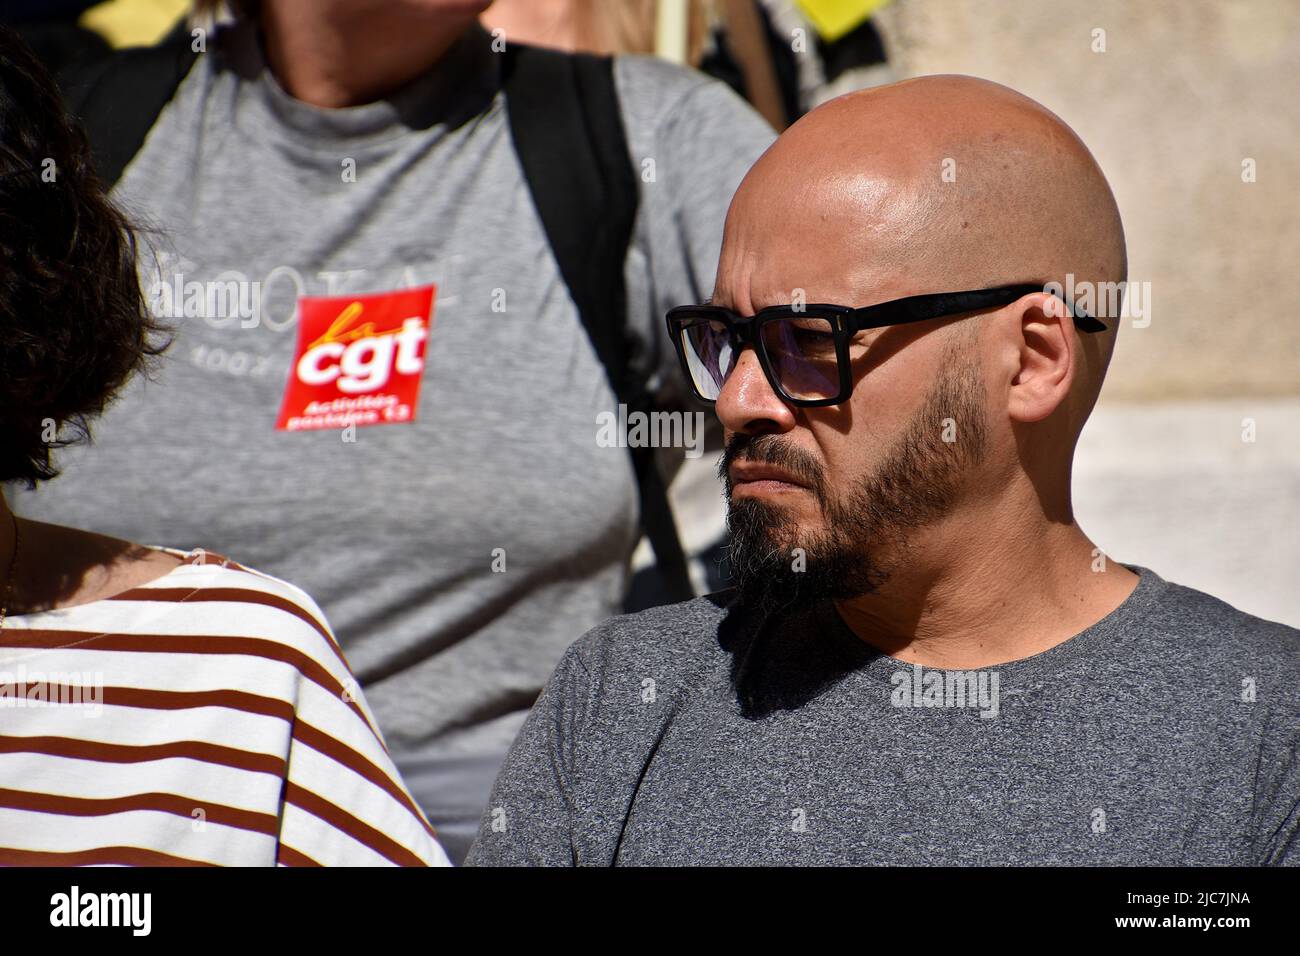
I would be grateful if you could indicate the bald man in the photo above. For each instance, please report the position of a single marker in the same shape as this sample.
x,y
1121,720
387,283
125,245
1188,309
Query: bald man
x,y
924,659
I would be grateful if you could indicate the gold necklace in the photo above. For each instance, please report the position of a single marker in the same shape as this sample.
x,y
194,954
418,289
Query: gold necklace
x,y
9,577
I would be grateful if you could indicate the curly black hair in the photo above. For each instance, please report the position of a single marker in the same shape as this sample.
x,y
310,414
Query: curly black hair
x,y
74,324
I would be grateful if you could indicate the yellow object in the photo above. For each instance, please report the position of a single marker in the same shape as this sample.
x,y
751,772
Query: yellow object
x,y
671,25
134,22
834,18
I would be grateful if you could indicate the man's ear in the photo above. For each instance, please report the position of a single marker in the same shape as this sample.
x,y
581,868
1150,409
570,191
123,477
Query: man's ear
x,y
1047,353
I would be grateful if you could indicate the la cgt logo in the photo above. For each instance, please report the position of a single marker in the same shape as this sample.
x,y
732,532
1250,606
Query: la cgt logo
x,y
359,360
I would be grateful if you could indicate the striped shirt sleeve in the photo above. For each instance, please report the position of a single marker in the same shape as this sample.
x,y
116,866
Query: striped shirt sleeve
x,y
344,802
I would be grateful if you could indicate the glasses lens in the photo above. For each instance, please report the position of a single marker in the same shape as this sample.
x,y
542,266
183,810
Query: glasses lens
x,y
802,353
709,356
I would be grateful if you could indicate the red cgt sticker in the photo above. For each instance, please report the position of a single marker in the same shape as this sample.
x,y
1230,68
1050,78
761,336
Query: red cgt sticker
x,y
358,361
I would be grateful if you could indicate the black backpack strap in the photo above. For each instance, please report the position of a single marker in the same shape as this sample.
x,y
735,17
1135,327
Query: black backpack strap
x,y
119,97
568,132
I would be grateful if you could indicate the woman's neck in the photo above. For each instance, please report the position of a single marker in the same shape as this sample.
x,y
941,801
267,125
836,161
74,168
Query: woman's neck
x,y
333,55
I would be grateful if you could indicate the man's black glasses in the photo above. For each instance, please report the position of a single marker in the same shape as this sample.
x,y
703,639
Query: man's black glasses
x,y
804,350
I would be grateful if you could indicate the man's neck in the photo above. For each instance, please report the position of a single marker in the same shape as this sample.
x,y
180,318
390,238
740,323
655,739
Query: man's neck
x,y
998,585
334,57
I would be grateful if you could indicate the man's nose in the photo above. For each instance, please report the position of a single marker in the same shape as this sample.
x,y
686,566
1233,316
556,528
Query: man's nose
x,y
747,402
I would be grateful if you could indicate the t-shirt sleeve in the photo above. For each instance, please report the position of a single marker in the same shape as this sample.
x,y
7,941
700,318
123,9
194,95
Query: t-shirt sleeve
x,y
530,818
1277,794
343,803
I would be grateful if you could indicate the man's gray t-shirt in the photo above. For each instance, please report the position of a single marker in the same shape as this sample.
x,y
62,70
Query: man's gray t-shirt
x,y
458,555
1165,734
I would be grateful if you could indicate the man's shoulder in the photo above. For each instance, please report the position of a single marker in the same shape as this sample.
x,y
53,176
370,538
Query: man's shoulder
x,y
1217,633
678,636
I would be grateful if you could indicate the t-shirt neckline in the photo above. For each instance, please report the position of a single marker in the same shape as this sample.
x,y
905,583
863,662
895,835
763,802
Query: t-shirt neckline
x,y
876,664
66,614
464,79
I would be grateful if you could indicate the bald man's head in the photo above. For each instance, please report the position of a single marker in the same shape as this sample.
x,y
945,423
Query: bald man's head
x,y
937,184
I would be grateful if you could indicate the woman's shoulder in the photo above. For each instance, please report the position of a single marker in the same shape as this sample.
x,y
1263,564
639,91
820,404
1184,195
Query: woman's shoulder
x,y
67,571
208,579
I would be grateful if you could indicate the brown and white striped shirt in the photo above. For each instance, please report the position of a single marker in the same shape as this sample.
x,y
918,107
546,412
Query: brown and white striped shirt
x,y
207,717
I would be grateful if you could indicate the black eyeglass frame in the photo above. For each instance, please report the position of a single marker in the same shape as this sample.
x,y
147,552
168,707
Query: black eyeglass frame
x,y
845,322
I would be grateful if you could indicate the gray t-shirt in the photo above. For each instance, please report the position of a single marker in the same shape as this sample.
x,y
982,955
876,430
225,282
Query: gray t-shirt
x,y
402,534
1165,734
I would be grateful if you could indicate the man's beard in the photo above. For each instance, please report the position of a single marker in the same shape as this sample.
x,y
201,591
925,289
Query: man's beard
x,y
919,480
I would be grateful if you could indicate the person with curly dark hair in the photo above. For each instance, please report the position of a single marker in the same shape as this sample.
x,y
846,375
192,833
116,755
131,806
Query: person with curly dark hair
x,y
73,319
249,745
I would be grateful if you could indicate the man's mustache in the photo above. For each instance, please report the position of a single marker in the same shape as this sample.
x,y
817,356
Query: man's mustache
x,y
771,450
